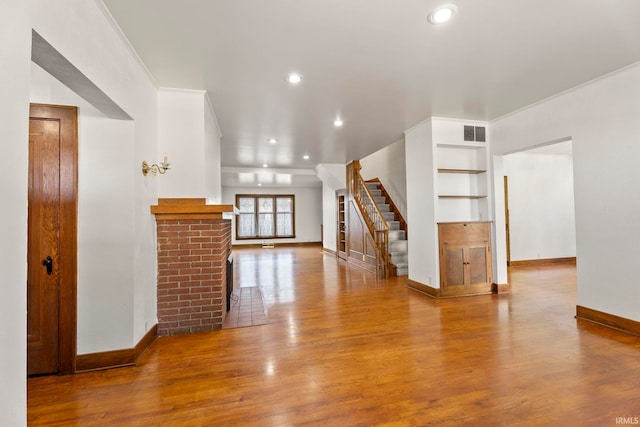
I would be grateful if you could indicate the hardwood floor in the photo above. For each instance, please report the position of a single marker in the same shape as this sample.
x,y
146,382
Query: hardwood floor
x,y
341,348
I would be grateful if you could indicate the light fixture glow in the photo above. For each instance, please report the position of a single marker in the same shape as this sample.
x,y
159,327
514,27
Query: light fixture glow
x,y
442,14
338,122
294,78
272,140
264,165
306,157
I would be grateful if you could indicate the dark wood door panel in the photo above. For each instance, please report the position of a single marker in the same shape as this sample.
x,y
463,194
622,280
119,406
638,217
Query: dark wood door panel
x,y
43,246
478,264
52,235
454,267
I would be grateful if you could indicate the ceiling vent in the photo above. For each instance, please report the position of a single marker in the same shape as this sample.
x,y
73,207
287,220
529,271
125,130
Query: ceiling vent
x,y
475,133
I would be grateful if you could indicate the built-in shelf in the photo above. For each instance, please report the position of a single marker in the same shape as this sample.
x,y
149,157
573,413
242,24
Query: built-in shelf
x,y
461,172
467,171
459,196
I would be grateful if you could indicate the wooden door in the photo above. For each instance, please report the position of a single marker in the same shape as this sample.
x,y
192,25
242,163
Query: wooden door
x,y
52,237
43,280
506,218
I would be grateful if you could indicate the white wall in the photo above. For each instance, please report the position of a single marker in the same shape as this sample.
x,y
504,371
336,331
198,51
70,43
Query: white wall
x,y
116,303
14,110
189,133
541,209
602,120
423,242
308,216
181,130
114,311
333,177
106,217
80,32
389,165
329,218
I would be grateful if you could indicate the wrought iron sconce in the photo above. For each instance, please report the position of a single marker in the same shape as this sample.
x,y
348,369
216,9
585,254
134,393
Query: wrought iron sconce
x,y
155,168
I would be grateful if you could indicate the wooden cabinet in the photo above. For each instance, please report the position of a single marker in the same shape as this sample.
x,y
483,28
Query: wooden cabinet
x,y
465,258
341,226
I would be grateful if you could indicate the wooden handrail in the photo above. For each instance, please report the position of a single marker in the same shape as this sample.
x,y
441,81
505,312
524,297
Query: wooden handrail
x,y
397,215
376,224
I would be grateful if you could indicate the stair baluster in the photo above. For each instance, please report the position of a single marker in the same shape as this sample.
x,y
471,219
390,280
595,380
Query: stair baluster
x,y
377,225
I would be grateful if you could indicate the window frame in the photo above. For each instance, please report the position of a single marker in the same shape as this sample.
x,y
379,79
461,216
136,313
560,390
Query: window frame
x,y
256,213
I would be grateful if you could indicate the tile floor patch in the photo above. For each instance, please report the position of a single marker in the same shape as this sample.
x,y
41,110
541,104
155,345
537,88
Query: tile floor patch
x,y
247,308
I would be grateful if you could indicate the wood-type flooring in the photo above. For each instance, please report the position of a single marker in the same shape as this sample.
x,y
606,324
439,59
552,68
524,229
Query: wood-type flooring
x,y
344,349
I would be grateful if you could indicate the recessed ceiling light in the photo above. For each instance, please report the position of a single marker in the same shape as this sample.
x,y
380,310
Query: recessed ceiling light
x,y
442,14
264,165
259,184
294,78
272,140
306,157
338,122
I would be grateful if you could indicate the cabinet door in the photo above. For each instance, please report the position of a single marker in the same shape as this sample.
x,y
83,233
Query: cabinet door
x,y
465,258
453,269
479,266
465,269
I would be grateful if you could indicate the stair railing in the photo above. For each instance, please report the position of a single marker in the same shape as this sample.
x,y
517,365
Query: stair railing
x,y
377,225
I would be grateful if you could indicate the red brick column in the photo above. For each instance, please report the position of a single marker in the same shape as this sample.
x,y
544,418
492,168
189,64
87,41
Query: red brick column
x,y
192,256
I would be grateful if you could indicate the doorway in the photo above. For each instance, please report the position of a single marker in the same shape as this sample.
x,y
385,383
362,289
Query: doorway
x,y
539,204
52,240
506,218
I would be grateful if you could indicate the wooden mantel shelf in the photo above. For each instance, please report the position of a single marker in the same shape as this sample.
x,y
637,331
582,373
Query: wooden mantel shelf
x,y
194,208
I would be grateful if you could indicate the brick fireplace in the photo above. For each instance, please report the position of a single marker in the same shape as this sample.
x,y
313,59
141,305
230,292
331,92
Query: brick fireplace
x,y
194,241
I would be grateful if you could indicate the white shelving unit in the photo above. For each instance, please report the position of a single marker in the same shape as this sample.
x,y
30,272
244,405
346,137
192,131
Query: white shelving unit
x,y
460,168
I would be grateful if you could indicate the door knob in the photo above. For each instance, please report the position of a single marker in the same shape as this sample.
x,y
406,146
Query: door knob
x,y
48,262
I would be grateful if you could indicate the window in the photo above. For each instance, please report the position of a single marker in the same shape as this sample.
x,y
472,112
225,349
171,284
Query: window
x,y
263,216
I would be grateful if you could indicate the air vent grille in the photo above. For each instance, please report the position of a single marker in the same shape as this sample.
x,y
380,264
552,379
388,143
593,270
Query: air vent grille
x,y
475,133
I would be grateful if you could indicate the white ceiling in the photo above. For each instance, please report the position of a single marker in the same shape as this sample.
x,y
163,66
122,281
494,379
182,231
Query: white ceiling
x,y
378,64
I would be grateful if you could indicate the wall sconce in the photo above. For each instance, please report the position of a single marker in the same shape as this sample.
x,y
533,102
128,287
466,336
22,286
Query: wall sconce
x,y
155,168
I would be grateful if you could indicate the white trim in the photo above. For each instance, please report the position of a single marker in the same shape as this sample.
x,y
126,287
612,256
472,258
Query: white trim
x,y
533,147
208,100
447,119
234,169
417,125
177,89
567,91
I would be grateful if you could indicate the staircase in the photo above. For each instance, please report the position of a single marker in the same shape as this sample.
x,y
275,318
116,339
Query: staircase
x,y
398,244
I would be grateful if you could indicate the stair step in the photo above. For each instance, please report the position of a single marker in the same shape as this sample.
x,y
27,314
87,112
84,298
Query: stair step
x,y
398,258
402,271
398,246
396,235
